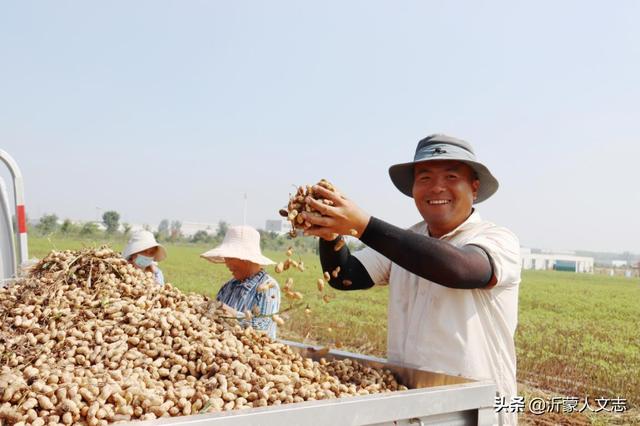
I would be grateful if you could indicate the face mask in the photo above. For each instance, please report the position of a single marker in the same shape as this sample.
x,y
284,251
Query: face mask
x,y
143,262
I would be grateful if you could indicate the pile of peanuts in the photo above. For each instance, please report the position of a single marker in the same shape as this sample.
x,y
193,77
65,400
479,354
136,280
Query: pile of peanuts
x,y
87,339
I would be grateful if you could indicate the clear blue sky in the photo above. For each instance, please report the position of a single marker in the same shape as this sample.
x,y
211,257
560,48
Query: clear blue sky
x,y
175,109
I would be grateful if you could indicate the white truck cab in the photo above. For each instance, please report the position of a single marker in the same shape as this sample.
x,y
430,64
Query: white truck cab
x,y
12,232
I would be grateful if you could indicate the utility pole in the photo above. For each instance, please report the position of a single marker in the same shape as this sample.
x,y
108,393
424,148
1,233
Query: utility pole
x,y
244,213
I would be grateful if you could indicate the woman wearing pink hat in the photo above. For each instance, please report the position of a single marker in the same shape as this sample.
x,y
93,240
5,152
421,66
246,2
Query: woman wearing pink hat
x,y
144,252
251,294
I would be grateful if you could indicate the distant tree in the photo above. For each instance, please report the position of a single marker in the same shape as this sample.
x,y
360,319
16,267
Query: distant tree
x,y
89,229
269,240
48,223
126,228
176,230
110,219
200,237
222,229
163,229
146,227
67,227
279,243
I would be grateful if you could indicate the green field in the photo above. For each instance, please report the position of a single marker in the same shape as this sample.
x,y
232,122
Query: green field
x,y
578,334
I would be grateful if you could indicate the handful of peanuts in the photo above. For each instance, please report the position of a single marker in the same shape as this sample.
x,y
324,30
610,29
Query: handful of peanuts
x,y
87,339
298,204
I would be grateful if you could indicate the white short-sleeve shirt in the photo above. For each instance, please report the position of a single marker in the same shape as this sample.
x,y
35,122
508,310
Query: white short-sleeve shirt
x,y
456,331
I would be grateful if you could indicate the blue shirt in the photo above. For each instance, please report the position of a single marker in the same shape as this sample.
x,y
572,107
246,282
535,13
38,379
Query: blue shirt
x,y
158,275
244,296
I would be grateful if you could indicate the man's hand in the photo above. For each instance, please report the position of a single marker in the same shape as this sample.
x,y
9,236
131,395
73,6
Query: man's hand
x,y
341,218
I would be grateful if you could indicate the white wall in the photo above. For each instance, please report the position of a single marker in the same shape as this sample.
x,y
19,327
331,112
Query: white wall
x,y
546,261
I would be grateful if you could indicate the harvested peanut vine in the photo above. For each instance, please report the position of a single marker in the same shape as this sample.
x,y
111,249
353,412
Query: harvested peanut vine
x,y
87,339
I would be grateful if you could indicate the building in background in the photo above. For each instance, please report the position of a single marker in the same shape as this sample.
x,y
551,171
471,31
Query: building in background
x,y
279,226
188,229
555,261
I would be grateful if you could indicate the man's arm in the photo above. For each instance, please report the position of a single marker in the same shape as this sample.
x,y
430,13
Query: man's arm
x,y
464,267
352,274
430,258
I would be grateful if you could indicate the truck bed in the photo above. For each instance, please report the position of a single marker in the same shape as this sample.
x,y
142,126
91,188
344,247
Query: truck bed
x,y
432,399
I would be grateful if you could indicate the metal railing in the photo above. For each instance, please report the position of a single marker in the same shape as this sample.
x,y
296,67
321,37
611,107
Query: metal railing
x,y
12,259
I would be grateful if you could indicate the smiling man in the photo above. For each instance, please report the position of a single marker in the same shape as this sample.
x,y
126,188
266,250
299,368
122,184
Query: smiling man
x,y
453,277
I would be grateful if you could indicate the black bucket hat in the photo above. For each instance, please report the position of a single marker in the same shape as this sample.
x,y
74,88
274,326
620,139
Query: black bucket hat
x,y
443,147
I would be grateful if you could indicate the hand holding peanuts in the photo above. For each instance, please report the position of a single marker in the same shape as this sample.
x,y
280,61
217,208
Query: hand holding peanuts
x,y
344,217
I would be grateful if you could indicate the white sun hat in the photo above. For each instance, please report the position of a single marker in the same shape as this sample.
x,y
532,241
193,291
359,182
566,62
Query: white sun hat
x,y
240,242
140,241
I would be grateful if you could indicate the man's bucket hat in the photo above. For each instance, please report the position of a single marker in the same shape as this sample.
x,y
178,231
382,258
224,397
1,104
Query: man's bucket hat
x,y
140,241
443,147
240,242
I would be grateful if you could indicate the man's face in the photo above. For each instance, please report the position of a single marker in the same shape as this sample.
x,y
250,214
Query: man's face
x,y
443,191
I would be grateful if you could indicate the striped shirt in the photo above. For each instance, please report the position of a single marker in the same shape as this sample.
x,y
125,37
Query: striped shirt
x,y
158,275
244,296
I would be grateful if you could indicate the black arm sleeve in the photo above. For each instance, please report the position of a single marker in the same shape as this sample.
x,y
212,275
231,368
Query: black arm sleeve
x,y
430,258
352,272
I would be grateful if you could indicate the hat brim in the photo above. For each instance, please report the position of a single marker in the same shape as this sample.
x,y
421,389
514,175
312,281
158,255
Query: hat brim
x,y
218,254
402,177
161,254
132,249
